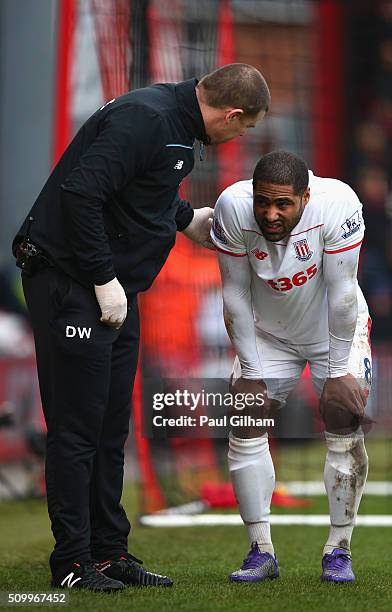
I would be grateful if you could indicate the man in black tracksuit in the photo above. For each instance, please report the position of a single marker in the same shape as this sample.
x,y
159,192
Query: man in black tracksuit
x,y
102,228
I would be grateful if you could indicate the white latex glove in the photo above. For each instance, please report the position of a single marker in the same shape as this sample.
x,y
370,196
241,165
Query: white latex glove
x,y
113,303
199,228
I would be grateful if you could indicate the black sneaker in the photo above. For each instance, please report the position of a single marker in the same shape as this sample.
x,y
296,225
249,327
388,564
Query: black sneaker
x,y
128,569
85,575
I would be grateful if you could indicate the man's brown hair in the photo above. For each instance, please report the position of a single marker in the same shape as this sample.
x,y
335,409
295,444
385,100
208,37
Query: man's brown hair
x,y
237,86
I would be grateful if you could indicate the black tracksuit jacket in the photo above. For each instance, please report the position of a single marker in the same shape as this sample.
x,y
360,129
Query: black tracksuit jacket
x,y
111,205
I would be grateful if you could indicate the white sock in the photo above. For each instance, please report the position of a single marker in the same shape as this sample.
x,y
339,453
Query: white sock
x,y
253,477
345,476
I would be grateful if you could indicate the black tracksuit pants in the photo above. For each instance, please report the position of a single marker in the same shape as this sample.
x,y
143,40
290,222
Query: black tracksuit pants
x,y
86,372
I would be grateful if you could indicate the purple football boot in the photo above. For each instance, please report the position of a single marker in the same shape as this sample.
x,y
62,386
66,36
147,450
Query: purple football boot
x,y
257,566
337,566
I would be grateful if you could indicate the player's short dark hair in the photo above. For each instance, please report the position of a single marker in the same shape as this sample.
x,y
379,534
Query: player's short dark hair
x,y
237,86
282,168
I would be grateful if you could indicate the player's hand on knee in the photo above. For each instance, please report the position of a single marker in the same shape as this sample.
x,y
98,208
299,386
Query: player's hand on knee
x,y
199,228
113,303
345,392
342,403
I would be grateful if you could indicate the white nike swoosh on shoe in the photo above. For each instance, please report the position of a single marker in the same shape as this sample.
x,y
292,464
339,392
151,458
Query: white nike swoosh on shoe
x,y
68,580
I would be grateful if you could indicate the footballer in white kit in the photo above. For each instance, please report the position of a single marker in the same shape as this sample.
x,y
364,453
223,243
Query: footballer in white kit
x,y
288,245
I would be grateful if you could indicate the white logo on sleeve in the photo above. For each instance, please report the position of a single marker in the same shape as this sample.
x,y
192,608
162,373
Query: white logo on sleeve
x,y
352,225
179,164
105,105
82,332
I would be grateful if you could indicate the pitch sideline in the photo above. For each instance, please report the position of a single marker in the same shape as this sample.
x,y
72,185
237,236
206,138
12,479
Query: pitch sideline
x,y
192,520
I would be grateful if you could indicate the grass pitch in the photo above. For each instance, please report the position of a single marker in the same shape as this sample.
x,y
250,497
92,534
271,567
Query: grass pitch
x,y
199,560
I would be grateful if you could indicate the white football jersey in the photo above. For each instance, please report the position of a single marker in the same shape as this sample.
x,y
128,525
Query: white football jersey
x,y
289,295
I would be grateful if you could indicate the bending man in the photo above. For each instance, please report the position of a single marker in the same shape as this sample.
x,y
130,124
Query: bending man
x,y
288,246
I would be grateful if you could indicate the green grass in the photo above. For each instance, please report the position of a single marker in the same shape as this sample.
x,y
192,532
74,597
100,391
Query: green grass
x,y
199,560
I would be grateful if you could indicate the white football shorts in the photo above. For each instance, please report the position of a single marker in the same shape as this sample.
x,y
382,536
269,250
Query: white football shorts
x,y
282,363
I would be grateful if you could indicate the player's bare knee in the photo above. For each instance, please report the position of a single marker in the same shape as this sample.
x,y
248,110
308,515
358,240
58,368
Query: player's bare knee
x,y
247,423
252,421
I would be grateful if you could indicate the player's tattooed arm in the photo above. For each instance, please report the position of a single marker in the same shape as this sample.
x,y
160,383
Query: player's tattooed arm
x,y
238,313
